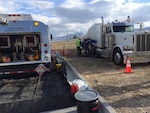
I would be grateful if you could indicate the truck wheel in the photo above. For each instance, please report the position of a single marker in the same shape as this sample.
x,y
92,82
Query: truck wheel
x,y
118,57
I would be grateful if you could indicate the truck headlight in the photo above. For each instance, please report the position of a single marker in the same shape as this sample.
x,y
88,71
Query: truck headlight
x,y
127,47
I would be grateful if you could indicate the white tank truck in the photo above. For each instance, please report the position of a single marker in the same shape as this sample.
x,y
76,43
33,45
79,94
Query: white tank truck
x,y
116,40
24,45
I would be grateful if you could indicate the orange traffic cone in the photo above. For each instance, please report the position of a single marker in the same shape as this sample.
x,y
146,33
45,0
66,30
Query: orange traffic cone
x,y
63,51
54,50
128,69
66,52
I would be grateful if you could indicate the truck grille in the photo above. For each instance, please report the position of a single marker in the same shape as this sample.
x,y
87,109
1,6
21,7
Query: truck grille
x,y
142,42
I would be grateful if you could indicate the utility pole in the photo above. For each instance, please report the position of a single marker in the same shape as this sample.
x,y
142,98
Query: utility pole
x,y
67,34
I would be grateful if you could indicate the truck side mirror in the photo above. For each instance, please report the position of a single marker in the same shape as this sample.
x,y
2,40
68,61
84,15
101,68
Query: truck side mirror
x,y
51,36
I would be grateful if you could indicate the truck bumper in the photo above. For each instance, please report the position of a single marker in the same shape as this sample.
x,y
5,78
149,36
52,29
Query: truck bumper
x,y
140,57
20,70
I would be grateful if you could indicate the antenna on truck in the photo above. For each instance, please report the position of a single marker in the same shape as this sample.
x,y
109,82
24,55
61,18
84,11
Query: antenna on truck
x,y
128,19
102,20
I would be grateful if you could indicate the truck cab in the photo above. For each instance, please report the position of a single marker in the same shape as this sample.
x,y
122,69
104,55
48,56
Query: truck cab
x,y
119,38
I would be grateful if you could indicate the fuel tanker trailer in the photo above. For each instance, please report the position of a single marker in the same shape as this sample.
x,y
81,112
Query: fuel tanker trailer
x,y
116,40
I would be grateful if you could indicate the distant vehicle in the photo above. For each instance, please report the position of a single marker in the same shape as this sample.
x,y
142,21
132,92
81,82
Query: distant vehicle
x,y
24,45
116,40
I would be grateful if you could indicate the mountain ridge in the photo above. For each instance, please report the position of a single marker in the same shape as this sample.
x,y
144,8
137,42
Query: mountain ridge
x,y
68,37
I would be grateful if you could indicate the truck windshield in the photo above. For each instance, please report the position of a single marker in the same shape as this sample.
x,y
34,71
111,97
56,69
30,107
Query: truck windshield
x,y
123,28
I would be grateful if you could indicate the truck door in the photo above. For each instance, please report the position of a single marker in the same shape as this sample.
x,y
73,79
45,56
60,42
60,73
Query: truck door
x,y
109,38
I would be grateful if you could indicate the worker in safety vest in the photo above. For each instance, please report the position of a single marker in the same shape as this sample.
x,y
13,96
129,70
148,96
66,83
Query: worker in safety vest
x,y
78,44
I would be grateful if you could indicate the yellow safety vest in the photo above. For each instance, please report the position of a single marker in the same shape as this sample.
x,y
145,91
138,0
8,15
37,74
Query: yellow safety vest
x,y
78,43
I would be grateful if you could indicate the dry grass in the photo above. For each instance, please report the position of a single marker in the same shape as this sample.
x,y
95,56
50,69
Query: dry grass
x,y
68,46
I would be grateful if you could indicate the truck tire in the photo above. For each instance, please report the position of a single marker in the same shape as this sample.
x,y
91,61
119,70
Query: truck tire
x,y
118,57
87,51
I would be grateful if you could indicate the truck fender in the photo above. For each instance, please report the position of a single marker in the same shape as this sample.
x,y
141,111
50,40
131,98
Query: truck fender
x,y
118,46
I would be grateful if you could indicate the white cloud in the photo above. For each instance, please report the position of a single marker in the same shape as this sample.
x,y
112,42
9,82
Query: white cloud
x,y
78,15
73,4
94,1
46,20
41,4
11,7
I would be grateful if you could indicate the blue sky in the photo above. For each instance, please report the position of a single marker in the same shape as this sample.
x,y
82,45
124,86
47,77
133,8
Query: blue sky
x,y
78,15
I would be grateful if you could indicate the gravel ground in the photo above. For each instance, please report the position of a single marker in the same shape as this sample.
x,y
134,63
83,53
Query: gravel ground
x,y
126,93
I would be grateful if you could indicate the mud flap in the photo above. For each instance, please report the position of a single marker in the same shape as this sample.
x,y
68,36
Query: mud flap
x,y
125,59
53,64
